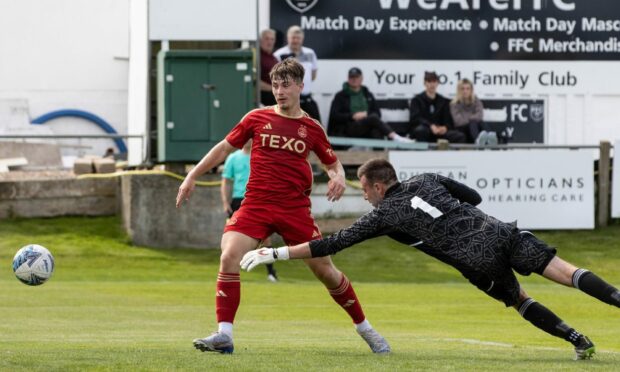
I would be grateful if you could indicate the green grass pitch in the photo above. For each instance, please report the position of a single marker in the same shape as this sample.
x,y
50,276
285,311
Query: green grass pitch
x,y
111,306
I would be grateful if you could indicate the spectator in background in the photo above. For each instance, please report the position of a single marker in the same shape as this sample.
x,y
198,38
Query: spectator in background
x,y
267,61
466,110
234,180
430,114
307,58
354,112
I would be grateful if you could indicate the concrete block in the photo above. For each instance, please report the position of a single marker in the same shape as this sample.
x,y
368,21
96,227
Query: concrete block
x,y
151,219
38,155
83,166
49,189
92,157
59,197
14,162
104,165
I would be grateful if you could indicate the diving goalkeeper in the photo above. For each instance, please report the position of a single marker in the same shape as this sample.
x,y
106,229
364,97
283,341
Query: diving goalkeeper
x,y
438,216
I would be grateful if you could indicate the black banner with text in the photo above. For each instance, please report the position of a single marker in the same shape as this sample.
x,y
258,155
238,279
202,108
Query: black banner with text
x,y
455,29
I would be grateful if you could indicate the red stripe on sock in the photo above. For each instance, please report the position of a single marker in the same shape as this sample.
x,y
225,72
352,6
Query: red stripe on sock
x,y
228,277
227,297
342,287
345,296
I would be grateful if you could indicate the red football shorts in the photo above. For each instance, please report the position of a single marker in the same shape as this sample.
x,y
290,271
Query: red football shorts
x,y
295,225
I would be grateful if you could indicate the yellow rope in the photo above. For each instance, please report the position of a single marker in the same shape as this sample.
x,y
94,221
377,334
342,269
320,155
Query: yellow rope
x,y
149,172
354,184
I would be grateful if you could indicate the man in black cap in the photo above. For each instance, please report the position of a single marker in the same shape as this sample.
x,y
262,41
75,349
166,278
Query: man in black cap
x,y
354,112
429,114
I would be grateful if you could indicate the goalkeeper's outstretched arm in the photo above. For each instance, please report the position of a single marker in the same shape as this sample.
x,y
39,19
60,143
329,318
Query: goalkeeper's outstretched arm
x,y
270,255
368,226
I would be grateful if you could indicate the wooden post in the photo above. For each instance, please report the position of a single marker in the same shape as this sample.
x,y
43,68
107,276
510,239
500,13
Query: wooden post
x,y
602,217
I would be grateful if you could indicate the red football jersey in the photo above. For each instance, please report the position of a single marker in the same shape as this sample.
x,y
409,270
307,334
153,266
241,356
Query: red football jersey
x,y
279,168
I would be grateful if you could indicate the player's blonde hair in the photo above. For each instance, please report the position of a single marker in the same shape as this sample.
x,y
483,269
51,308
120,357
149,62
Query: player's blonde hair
x,y
289,69
377,170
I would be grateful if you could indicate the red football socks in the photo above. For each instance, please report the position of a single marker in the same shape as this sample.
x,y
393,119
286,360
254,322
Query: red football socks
x,y
227,297
345,296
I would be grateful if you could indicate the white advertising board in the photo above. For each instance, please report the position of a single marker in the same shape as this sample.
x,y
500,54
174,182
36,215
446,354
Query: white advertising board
x,y
489,77
202,20
537,188
615,183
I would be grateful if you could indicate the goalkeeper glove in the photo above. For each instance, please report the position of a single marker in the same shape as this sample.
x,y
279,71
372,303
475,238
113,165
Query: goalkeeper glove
x,y
263,256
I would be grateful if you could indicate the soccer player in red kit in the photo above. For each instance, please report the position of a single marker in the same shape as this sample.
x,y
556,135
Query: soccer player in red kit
x,y
277,200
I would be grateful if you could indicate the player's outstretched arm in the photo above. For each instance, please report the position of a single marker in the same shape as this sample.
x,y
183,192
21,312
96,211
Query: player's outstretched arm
x,y
213,158
270,255
336,184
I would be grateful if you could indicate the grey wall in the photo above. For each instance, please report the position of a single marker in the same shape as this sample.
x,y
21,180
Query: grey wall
x,y
146,203
58,197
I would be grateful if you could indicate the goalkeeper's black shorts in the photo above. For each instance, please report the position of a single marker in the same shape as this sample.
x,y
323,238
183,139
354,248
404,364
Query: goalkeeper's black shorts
x,y
527,254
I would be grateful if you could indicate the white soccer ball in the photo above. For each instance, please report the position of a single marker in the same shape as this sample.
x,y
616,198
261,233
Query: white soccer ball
x,y
33,264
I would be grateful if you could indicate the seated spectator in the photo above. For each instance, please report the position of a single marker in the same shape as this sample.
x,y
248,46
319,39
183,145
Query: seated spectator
x,y
354,112
429,114
467,110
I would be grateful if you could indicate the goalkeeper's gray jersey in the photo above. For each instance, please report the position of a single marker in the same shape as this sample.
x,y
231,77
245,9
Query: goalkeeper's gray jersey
x,y
436,215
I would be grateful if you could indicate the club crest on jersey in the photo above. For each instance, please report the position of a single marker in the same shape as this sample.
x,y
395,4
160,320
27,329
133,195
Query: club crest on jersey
x,y
302,131
302,6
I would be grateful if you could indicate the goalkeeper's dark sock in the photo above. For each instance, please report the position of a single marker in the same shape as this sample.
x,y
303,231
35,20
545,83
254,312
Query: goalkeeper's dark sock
x,y
227,296
596,287
546,320
345,296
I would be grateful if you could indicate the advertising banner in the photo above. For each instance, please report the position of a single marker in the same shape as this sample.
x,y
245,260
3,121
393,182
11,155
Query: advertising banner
x,y
520,120
456,29
503,46
533,187
615,183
